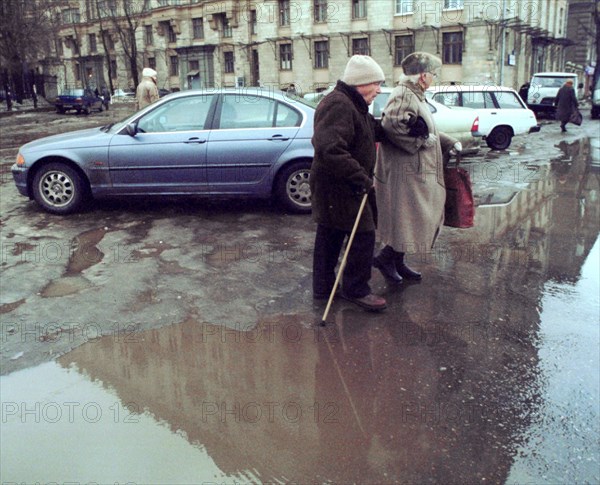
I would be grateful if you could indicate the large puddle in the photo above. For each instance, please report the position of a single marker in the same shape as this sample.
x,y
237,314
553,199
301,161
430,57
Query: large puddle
x,y
488,372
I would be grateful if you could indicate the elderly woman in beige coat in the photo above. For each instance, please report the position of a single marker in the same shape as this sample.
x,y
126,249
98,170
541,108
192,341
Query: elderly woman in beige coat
x,y
409,178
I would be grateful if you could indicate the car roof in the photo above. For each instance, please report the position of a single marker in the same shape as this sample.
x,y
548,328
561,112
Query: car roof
x,y
468,87
252,90
555,74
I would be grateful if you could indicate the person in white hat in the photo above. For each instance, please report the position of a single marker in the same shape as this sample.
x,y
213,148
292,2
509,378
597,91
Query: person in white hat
x,y
409,178
147,91
344,139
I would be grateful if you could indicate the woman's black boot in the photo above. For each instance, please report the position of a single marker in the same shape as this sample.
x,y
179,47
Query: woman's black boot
x,y
404,271
385,262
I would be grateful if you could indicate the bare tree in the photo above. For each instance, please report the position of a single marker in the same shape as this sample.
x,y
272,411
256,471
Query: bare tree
x,y
126,24
25,30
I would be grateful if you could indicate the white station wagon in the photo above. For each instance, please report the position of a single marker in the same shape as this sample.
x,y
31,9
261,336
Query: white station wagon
x,y
502,112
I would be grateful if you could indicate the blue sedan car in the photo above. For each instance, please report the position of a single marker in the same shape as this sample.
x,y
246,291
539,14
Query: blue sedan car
x,y
251,142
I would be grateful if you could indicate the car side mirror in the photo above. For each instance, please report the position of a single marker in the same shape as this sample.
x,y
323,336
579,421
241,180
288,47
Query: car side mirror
x,y
131,129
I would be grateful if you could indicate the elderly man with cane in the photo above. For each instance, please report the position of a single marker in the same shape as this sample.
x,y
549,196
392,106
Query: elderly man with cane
x,y
342,181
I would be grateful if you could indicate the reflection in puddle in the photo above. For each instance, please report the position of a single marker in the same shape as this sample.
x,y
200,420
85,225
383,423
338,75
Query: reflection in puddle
x,y
57,426
282,403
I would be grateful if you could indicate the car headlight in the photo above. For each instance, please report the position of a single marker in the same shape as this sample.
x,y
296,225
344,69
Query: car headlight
x,y
20,160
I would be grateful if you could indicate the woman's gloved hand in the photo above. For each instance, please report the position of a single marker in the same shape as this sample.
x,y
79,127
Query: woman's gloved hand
x,y
418,127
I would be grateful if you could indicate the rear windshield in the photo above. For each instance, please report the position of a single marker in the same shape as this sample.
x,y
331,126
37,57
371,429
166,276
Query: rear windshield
x,y
72,92
549,81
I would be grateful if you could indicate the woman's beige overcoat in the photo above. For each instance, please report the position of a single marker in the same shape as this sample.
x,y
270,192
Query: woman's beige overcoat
x,y
409,176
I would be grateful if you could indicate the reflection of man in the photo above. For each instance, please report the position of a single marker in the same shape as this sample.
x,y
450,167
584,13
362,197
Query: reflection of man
x,y
147,91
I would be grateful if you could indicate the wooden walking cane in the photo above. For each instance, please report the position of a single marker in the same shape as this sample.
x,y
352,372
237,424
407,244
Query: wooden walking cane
x,y
343,263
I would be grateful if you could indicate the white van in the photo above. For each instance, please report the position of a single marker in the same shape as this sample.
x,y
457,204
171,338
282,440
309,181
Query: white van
x,y
543,89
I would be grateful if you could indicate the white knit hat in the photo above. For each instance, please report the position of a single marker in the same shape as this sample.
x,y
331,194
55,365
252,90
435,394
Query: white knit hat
x,y
362,70
149,72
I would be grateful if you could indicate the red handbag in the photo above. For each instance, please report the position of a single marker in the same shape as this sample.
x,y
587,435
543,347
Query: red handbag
x,y
460,207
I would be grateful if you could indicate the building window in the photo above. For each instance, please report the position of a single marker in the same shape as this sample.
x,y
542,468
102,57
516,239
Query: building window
x,y
404,45
194,65
360,46
253,22
92,41
320,10
321,54
91,9
77,72
152,63
285,57
198,28
172,35
228,62
71,16
453,4
107,8
453,46
148,35
174,66
108,40
59,47
227,30
113,68
284,12
359,9
404,6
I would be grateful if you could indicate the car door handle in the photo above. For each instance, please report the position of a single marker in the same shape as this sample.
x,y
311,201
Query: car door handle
x,y
195,140
279,138
493,113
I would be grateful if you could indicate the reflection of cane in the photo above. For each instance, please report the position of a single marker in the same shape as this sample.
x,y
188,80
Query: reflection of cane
x,y
343,263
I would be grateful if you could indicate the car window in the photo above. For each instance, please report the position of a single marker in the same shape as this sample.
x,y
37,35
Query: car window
x,y
379,103
181,114
508,100
448,99
287,116
475,99
247,112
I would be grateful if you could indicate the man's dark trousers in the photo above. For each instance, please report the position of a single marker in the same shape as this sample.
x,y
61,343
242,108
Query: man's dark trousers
x,y
328,245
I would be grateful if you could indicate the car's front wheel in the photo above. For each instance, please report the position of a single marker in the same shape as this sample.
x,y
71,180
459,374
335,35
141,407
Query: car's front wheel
x,y
58,188
292,188
500,138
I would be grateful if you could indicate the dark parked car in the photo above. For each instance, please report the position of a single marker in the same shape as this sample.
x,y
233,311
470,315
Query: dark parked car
x,y
80,100
252,143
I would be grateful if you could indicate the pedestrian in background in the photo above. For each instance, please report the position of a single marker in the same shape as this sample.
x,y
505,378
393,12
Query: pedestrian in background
x,y
147,91
105,96
566,104
344,139
409,178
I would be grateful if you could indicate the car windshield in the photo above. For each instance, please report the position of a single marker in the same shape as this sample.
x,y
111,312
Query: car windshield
x,y
549,81
72,92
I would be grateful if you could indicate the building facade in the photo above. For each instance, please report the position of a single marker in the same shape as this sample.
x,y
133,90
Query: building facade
x,y
302,43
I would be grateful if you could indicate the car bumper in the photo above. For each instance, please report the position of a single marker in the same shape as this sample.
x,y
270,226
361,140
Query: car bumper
x,y
20,178
535,129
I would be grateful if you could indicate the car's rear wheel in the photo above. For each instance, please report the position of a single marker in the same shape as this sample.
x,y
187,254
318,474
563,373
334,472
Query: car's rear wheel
x,y
500,138
60,110
292,188
101,107
87,110
58,188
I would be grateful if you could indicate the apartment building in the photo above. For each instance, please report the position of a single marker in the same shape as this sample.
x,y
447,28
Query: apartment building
x,y
302,43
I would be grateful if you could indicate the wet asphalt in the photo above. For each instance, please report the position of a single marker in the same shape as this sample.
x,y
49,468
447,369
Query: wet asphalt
x,y
170,341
